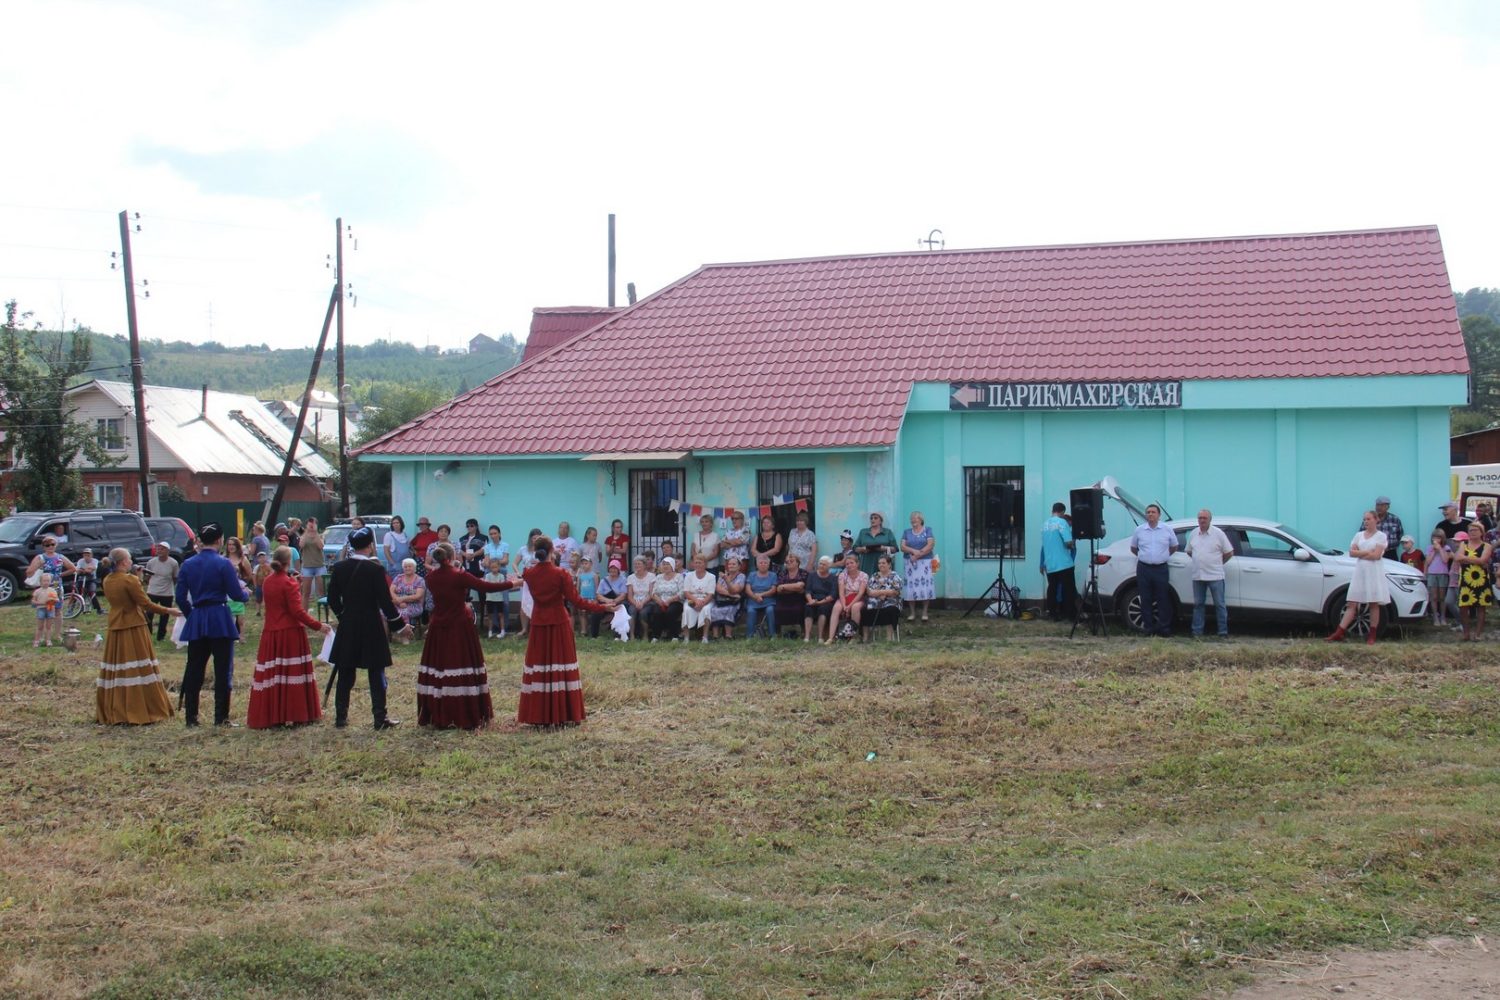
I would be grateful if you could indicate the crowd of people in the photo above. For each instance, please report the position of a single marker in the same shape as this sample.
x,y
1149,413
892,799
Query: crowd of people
x,y
451,592
730,580
454,592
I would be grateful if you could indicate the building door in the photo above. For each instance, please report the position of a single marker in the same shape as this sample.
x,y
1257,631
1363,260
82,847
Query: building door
x,y
652,521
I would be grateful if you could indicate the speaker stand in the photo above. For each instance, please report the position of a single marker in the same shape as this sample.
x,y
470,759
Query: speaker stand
x,y
1087,605
1003,592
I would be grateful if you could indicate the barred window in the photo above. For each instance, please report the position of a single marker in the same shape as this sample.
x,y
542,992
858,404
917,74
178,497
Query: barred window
x,y
994,512
779,482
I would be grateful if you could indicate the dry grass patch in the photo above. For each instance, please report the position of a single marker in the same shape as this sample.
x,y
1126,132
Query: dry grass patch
x,y
1039,818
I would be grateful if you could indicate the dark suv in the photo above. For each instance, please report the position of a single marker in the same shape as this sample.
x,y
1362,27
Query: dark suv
x,y
100,530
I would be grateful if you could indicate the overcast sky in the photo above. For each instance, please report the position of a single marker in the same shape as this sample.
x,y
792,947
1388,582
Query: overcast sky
x,y
476,149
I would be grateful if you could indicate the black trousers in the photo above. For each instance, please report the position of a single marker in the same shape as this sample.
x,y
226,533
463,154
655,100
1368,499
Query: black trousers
x,y
161,624
1062,593
346,685
664,621
199,650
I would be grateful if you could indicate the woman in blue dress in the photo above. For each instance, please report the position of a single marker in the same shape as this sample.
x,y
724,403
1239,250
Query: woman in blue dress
x,y
917,545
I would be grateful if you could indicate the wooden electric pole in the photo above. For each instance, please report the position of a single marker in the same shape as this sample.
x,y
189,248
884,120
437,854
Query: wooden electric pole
x,y
274,510
137,375
339,366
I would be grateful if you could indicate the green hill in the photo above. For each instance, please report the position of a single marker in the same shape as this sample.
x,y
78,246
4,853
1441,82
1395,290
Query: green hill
x,y
370,370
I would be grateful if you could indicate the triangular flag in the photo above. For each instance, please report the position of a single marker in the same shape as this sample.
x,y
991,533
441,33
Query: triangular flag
x,y
697,510
802,505
719,512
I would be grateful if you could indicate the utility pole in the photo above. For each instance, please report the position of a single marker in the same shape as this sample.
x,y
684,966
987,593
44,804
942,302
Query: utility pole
x,y
339,365
137,376
312,379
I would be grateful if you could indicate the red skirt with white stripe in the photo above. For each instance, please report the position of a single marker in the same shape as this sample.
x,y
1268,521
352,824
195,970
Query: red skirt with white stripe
x,y
285,688
551,690
453,689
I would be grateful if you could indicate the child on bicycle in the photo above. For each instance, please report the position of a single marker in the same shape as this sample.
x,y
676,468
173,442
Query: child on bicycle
x,y
44,599
86,580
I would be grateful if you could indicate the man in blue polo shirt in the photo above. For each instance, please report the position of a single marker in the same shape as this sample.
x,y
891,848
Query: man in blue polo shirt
x,y
1153,544
1057,566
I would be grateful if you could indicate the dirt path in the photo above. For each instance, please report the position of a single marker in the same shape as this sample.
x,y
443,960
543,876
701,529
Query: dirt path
x,y
1442,968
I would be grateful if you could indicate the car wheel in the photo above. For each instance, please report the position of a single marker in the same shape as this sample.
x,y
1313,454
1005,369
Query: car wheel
x,y
7,586
1128,607
1361,625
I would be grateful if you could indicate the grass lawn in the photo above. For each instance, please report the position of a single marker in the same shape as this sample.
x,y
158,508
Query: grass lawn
x,y
986,809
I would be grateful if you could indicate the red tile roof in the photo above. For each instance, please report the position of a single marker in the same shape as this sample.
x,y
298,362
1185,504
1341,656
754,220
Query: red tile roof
x,y
552,325
822,353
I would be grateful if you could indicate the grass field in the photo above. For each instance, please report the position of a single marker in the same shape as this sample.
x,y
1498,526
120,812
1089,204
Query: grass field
x,y
986,809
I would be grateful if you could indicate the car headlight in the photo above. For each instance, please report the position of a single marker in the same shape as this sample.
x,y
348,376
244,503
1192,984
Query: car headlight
x,y
1409,584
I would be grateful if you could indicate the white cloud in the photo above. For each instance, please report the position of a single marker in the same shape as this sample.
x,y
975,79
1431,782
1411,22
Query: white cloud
x,y
476,149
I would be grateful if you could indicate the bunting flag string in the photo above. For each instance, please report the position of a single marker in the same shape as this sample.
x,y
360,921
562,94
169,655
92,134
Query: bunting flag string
x,y
756,510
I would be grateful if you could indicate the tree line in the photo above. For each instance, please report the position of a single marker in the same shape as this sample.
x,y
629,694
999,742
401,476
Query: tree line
x,y
1479,315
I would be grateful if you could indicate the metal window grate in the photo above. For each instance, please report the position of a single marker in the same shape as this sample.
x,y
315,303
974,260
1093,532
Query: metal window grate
x,y
994,518
774,482
651,521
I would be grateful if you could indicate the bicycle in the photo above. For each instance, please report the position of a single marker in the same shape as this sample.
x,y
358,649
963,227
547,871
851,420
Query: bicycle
x,y
75,600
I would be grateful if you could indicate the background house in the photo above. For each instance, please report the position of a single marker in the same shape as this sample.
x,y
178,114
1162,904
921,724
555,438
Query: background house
x,y
216,447
1288,377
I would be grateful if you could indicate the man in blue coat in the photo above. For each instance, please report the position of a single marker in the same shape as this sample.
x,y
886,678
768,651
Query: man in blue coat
x,y
205,584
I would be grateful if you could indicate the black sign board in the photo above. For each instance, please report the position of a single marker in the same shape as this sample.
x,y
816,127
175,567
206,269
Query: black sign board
x,y
1142,395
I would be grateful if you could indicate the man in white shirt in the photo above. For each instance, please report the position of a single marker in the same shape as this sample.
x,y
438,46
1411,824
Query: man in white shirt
x,y
1152,544
1210,549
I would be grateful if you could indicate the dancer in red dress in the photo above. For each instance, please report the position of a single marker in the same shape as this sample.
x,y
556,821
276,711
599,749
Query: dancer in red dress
x,y
453,688
284,689
551,691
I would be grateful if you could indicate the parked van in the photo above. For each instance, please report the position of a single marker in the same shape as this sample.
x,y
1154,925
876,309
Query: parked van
x,y
1473,483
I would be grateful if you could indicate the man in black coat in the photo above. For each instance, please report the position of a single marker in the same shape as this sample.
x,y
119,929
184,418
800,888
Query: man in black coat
x,y
360,595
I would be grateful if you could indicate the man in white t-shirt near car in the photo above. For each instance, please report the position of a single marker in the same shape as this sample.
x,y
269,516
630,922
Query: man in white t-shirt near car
x,y
1209,549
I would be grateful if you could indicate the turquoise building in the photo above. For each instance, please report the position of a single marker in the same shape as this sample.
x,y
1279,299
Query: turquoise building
x,y
1287,377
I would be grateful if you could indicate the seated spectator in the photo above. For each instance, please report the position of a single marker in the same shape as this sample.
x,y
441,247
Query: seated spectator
x,y
851,602
821,591
638,598
409,592
760,598
791,599
613,591
697,599
665,609
883,597
729,594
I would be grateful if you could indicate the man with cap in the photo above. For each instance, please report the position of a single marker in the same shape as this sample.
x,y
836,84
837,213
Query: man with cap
x,y
1451,524
359,594
206,582
1390,524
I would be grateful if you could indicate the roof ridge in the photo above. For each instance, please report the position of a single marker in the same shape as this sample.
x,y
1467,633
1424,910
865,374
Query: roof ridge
x,y
1031,248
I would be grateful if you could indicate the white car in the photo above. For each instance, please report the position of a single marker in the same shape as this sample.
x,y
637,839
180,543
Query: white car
x,y
1277,573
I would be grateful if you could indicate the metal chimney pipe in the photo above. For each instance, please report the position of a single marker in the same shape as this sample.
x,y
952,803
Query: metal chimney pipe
x,y
203,407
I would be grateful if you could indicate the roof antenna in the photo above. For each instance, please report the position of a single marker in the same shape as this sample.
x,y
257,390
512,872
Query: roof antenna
x,y
934,241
